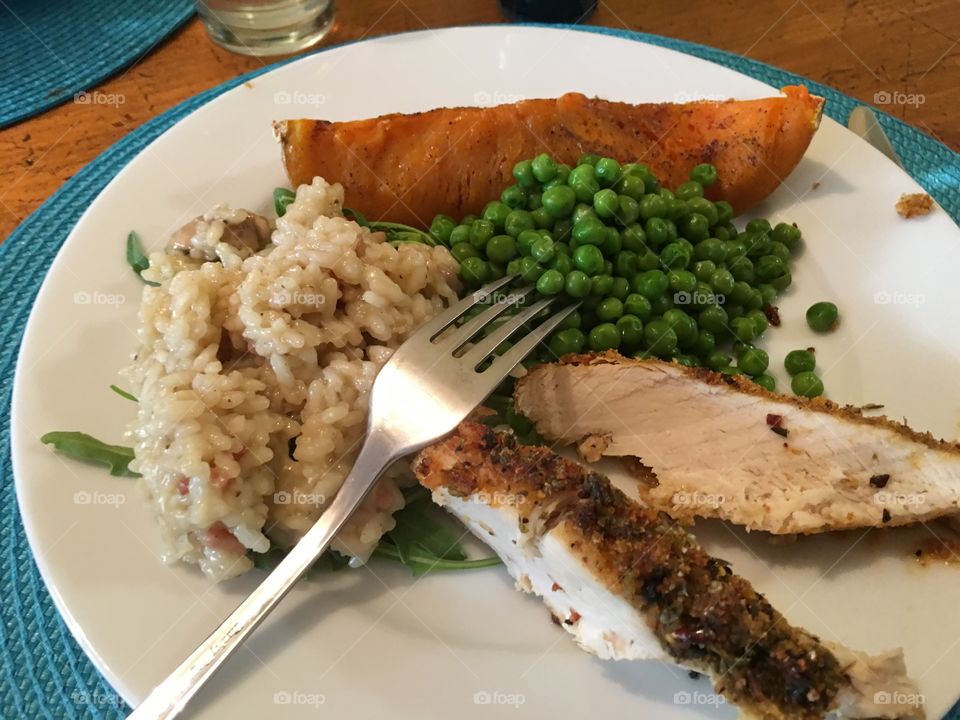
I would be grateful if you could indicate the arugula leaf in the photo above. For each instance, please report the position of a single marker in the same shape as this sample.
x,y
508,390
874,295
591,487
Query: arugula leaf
x,y
136,257
395,232
281,198
330,561
358,217
421,564
85,447
123,393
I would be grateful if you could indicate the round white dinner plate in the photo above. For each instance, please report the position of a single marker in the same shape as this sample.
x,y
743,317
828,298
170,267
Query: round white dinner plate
x,y
375,643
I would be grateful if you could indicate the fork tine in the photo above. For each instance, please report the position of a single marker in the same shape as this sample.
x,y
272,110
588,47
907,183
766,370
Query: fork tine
x,y
475,324
503,364
487,345
439,323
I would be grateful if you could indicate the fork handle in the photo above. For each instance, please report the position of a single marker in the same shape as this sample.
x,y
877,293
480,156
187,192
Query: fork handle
x,y
168,698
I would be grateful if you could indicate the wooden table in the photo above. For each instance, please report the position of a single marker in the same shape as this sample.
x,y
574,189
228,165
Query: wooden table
x,y
872,50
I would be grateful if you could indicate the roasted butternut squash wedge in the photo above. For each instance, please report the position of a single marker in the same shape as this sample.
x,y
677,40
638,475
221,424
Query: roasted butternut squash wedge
x,y
408,168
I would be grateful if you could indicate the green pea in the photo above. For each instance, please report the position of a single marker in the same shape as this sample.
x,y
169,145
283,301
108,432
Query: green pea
x,y
661,304
731,370
513,267
717,360
722,281
660,338
441,228
781,251
631,332
823,317
705,344
733,250
589,231
620,289
514,197
588,259
798,361
496,212
562,263
530,270
806,384
605,336
683,325
689,189
613,243
759,320
628,210
543,250
497,270
754,302
601,284
714,319
743,329
734,311
710,250
525,241
638,305
657,231
542,219
677,209
625,264
789,235
724,211
703,269
768,294
469,220
608,172
577,284
583,210
573,320
759,225
753,361
634,238
559,201
534,200
523,172
705,174
474,271
647,259
460,234
651,206
681,281
783,282
606,203
567,341
704,207
742,269
518,221
769,267
462,251
767,382
583,180
739,293
675,256
501,248
588,159
609,309
544,168
695,227
550,283
632,186
651,284
608,267
703,296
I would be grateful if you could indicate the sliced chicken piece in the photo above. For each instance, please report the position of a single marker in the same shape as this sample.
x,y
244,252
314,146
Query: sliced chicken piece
x,y
721,446
629,584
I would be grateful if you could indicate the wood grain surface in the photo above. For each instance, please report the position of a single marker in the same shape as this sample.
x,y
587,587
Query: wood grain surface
x,y
901,56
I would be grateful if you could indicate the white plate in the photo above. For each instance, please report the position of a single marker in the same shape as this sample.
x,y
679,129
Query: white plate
x,y
375,643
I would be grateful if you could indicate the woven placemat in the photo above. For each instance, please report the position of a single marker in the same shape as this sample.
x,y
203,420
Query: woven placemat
x,y
43,672
52,51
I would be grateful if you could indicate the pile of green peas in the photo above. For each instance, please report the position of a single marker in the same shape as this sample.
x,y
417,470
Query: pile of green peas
x,y
659,273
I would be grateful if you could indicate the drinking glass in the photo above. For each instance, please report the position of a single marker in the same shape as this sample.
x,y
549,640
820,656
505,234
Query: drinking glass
x,y
266,27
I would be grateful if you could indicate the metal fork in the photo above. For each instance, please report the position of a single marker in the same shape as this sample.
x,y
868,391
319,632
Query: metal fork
x,y
429,385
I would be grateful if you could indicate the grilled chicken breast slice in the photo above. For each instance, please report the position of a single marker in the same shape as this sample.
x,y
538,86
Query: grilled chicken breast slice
x,y
629,584
722,446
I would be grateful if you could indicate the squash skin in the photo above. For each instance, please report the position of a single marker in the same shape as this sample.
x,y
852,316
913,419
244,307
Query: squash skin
x,y
408,168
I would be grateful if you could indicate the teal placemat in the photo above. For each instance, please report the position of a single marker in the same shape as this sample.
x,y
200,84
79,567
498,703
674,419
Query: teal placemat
x,y
52,51
43,673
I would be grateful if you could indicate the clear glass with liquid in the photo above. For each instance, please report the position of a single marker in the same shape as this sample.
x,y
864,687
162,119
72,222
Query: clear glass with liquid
x,y
266,27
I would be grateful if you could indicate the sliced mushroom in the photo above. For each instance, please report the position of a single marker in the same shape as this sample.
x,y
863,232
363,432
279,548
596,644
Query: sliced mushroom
x,y
244,230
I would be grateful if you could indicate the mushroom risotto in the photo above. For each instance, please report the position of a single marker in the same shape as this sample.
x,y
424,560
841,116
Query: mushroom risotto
x,y
258,349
